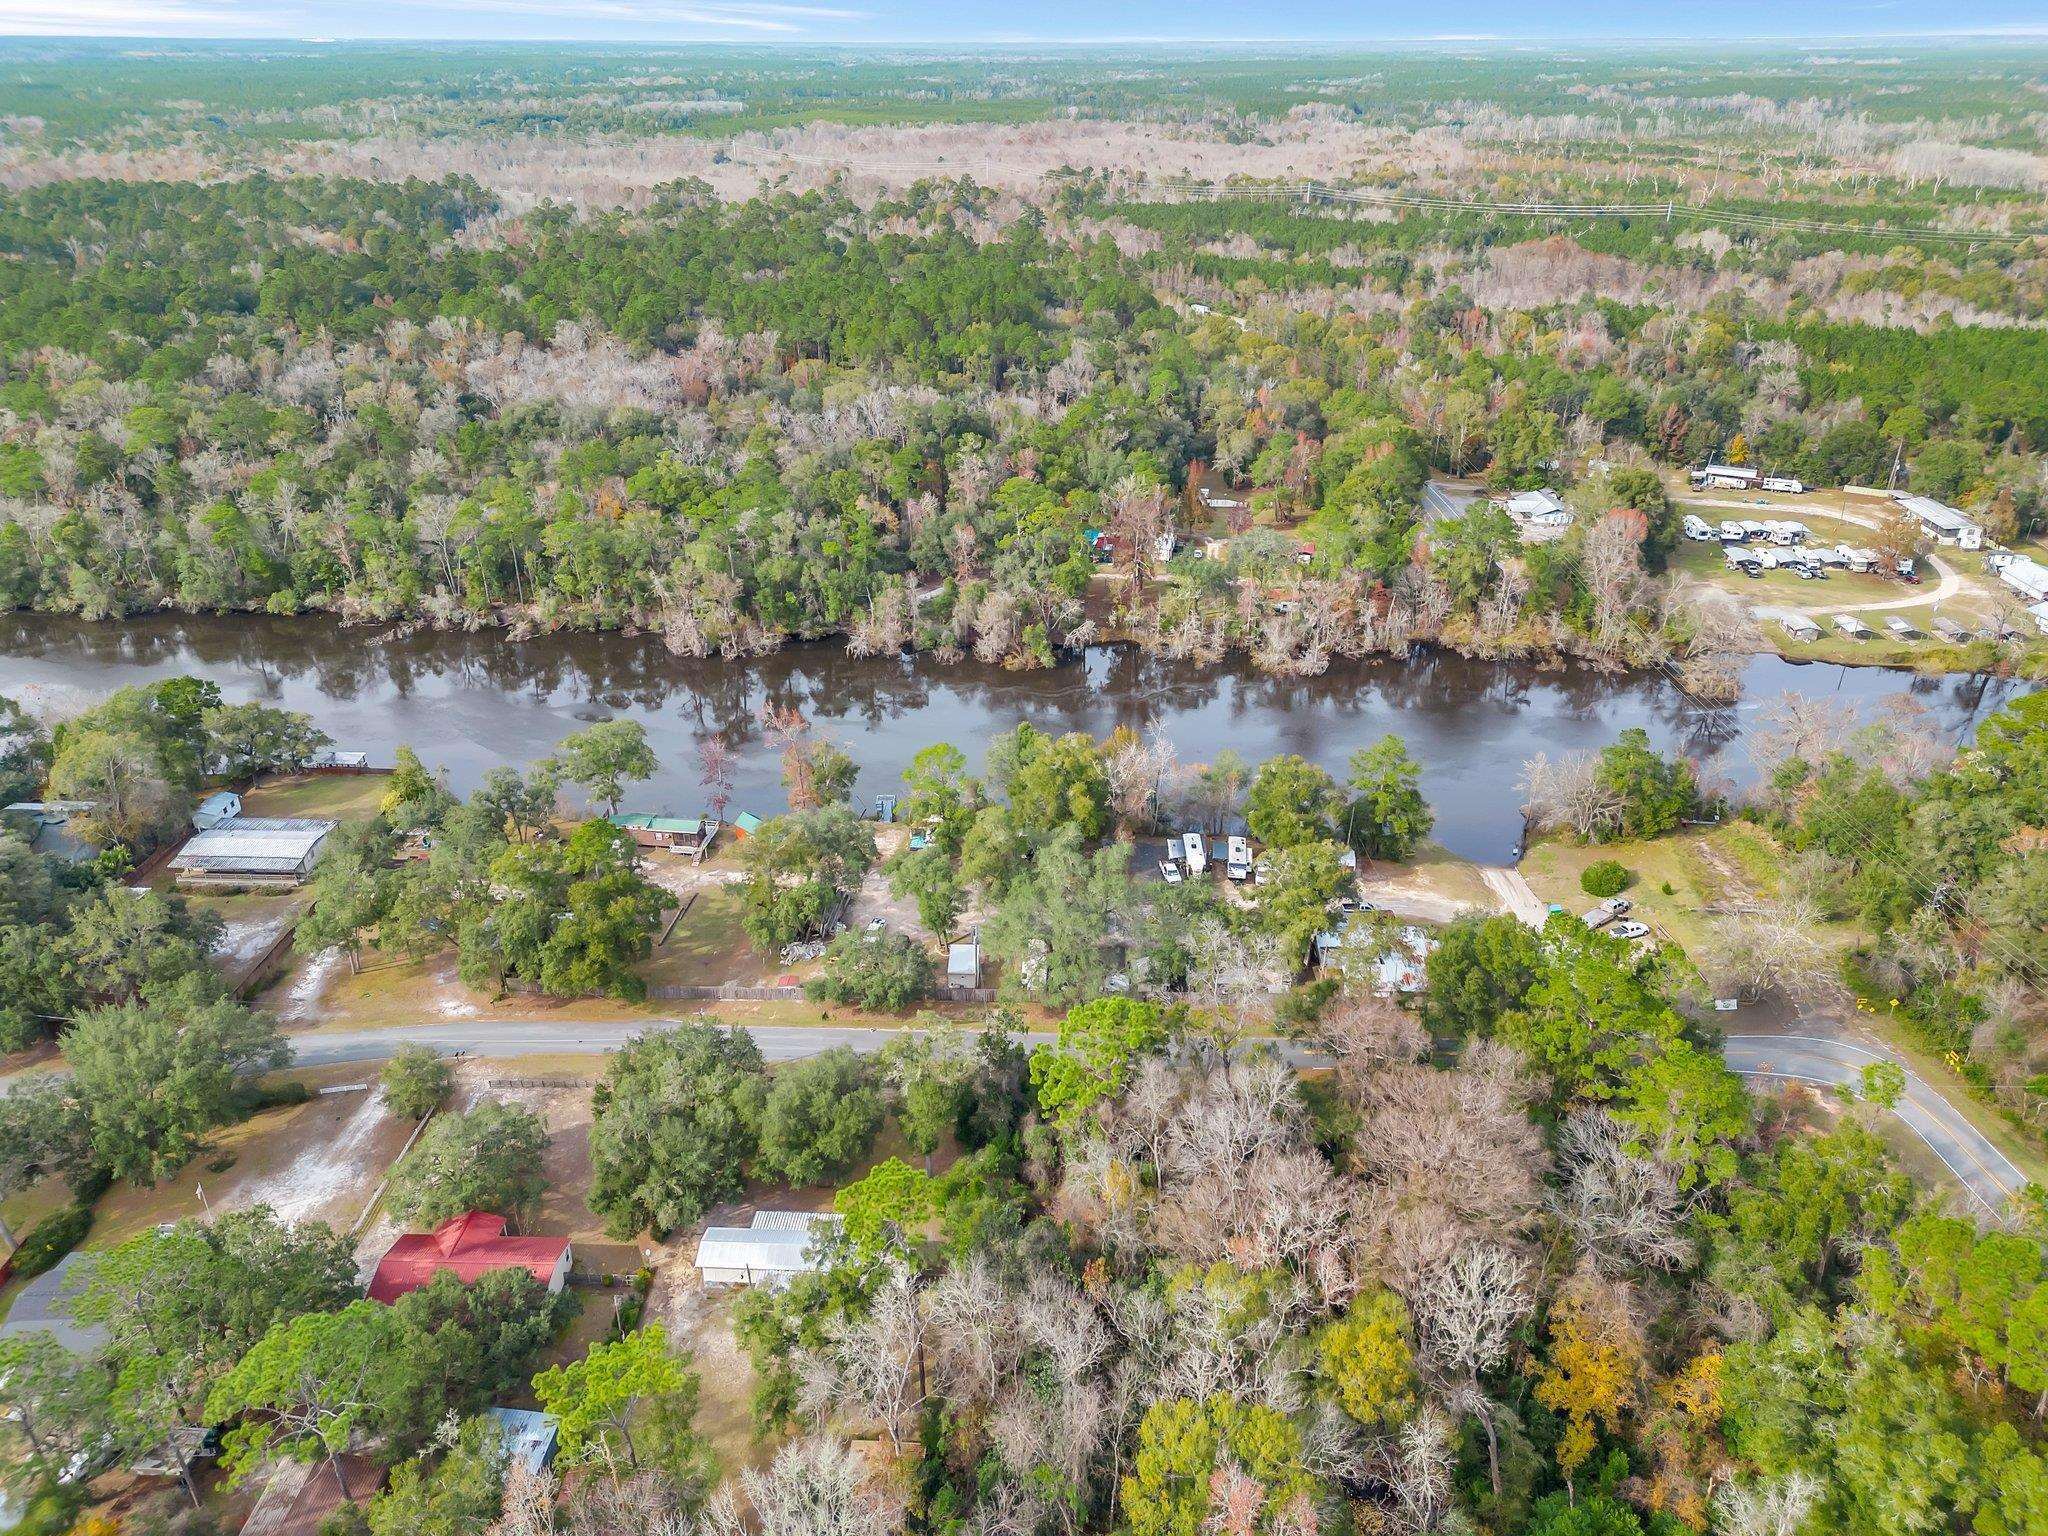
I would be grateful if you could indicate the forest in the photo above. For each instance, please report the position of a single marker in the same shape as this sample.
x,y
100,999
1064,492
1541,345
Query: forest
x,y
1220,1204
1515,1252
405,380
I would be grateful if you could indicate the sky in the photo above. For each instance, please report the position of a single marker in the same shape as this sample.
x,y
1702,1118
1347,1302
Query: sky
x,y
949,23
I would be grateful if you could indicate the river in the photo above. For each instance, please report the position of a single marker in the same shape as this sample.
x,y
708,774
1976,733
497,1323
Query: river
x,y
467,702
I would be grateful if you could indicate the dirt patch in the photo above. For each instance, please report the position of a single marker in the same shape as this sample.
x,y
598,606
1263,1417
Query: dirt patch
x,y
875,899
299,999
563,1104
317,1161
331,1176
700,1322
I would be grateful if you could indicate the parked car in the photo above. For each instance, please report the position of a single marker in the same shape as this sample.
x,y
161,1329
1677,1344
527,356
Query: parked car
x,y
1169,872
1617,904
1631,930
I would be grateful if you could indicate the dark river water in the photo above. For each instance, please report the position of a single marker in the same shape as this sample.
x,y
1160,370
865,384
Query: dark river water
x,y
468,702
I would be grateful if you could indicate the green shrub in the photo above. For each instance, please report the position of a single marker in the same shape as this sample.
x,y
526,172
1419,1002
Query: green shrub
x,y
51,1238
1606,877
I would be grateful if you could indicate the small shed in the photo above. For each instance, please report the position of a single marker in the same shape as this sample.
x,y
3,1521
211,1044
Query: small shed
x,y
1950,631
963,963
777,1246
746,824
527,1435
222,806
1903,628
1800,627
1850,625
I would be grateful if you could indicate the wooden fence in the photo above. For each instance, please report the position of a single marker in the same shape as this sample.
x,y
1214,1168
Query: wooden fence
x,y
732,992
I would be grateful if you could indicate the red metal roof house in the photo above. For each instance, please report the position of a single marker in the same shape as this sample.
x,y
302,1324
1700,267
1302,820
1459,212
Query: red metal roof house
x,y
468,1247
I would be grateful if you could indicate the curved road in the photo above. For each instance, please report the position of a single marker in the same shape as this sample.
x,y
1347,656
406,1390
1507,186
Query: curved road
x,y
1987,1173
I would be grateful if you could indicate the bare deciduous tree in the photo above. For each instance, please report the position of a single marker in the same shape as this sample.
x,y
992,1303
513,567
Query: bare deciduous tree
x,y
813,1487
1623,1209
1775,1508
1568,794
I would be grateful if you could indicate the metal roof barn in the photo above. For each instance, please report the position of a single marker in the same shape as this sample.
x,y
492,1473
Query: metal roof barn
x,y
254,848
778,1245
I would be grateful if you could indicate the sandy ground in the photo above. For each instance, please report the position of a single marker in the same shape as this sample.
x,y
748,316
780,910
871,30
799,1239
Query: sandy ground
x,y
330,1176
1409,893
317,1161
875,899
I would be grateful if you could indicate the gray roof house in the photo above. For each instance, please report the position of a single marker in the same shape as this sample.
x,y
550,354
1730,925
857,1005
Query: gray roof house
x,y
47,826
253,850
44,1306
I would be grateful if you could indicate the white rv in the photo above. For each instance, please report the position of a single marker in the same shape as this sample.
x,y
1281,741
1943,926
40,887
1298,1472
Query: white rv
x,y
1785,483
1195,849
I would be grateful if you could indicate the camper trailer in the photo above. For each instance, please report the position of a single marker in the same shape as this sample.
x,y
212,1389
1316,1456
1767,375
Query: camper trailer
x,y
1240,864
1785,484
1195,849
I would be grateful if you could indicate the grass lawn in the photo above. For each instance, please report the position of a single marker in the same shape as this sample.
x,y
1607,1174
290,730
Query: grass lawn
x,y
1678,877
1706,562
708,946
329,796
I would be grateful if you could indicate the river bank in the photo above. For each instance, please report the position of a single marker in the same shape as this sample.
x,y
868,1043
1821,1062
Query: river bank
x,y
471,701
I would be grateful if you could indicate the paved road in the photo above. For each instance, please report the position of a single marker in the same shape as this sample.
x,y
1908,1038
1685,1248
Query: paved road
x,y
1987,1173
521,1037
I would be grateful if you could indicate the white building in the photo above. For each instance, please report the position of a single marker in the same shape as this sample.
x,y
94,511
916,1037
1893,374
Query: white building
x,y
1727,477
1539,515
224,805
2040,613
2026,576
253,850
963,963
1942,523
778,1245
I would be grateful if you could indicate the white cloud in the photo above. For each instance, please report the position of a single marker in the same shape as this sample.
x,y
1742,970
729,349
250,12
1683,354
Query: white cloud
x,y
125,18
158,18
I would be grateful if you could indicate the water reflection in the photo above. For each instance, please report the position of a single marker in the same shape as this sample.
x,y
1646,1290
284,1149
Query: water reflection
x,y
470,701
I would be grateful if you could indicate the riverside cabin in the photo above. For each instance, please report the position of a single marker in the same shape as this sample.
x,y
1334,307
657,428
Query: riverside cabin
x,y
688,836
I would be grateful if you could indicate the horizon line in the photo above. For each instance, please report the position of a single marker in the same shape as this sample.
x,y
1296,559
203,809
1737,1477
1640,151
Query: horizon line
x,y
2029,32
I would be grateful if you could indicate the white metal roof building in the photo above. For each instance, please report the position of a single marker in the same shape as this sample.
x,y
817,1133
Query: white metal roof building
x,y
253,850
778,1245
1538,515
223,806
2026,576
1943,523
